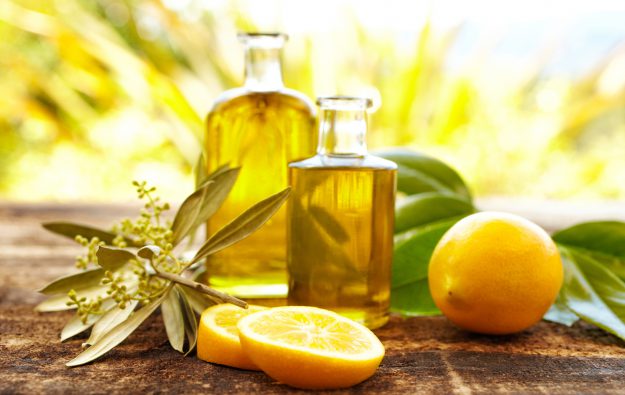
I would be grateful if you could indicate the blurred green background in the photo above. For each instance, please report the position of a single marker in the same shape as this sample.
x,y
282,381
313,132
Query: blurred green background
x,y
523,98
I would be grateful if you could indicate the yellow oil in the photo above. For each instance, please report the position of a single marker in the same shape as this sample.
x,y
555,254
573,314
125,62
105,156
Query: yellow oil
x,y
341,240
261,132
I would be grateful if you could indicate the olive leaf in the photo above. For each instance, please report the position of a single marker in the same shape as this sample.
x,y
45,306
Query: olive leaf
x,y
242,226
59,302
112,259
110,320
173,319
198,301
78,281
320,232
149,251
203,203
75,325
328,223
119,333
124,279
203,178
71,230
200,170
429,207
190,324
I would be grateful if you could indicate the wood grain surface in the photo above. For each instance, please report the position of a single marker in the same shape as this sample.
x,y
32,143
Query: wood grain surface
x,y
424,355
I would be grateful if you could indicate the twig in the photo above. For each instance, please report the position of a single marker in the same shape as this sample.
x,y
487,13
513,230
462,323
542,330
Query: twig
x,y
201,288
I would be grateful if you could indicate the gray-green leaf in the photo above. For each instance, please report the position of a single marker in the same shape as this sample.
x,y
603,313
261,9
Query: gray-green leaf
x,y
118,334
328,223
58,302
173,319
197,300
110,320
423,208
71,230
149,252
78,281
190,324
112,259
200,171
204,202
242,226
75,325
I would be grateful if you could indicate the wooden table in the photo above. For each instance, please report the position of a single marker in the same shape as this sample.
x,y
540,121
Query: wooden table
x,y
426,355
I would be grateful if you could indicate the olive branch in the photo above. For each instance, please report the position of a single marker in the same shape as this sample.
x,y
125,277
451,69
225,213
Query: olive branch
x,y
127,273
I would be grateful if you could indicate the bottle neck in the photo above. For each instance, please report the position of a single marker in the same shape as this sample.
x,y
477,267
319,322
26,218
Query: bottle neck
x,y
342,133
263,69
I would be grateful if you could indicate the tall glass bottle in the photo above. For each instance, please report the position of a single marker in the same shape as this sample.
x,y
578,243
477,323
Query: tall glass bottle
x,y
261,127
340,219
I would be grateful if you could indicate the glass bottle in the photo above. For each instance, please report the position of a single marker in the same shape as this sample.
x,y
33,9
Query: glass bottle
x,y
340,219
261,127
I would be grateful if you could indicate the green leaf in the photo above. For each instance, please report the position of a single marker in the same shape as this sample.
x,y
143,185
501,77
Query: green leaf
x,y
413,299
605,241
118,334
112,259
593,292
411,181
173,319
243,226
78,281
412,253
423,208
71,230
110,320
204,202
560,314
418,172
190,324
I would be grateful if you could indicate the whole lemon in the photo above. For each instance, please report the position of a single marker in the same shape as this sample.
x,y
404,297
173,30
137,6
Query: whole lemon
x,y
495,273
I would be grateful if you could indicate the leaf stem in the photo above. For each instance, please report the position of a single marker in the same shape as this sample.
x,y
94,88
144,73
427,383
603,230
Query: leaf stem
x,y
201,288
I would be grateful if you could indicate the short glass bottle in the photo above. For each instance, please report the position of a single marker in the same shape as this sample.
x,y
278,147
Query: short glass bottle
x,y
261,127
340,219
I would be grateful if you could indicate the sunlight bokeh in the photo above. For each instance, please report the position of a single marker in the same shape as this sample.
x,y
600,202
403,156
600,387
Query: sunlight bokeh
x,y
523,98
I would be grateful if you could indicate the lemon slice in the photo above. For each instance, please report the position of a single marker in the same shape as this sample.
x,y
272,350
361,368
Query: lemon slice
x,y
218,337
311,348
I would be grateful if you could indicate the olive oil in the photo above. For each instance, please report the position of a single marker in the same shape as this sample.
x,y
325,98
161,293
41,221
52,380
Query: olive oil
x,y
260,127
340,220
